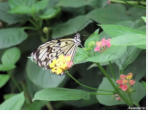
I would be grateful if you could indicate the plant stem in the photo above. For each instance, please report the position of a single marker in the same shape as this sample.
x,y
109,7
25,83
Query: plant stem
x,y
80,82
28,99
29,28
14,81
111,70
95,93
49,106
130,98
112,83
83,85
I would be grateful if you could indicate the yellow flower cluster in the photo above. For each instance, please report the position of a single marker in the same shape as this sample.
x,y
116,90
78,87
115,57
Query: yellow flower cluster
x,y
61,64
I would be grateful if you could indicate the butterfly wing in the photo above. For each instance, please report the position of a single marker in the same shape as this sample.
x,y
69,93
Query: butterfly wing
x,y
49,51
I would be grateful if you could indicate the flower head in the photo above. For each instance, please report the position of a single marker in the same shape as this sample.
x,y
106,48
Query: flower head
x,y
125,82
102,45
61,64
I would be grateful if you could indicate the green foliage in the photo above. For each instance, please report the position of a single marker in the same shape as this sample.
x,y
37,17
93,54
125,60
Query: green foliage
x,y
3,79
70,27
9,58
11,37
94,74
13,103
30,7
6,16
42,77
60,94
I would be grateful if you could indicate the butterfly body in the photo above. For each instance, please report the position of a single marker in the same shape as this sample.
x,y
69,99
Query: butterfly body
x,y
51,50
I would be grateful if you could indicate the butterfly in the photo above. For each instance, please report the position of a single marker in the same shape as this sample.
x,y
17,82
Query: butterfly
x,y
51,50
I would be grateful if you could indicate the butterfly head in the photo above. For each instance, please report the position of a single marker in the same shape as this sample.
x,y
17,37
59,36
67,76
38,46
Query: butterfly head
x,y
77,39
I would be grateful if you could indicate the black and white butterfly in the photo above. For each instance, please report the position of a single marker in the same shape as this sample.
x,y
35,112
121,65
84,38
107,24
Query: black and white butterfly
x,y
51,50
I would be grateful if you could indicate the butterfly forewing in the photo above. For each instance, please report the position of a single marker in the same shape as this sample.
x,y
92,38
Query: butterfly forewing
x,y
51,50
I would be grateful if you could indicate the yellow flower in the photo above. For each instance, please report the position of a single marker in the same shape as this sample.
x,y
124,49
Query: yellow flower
x,y
129,76
61,64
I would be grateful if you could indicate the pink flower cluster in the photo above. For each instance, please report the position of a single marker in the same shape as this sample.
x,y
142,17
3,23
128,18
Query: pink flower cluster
x,y
125,81
102,45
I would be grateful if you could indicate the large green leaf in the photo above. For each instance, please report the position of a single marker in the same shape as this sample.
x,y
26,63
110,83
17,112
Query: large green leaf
x,y
60,94
138,67
6,67
110,14
119,30
11,36
50,13
71,26
27,6
74,3
129,56
139,93
41,77
7,17
125,36
11,56
136,12
137,40
3,79
13,103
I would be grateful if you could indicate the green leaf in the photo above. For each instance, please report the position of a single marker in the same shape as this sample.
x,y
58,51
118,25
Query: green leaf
x,y
119,30
7,17
6,67
80,56
144,18
74,3
139,93
11,36
137,40
136,12
60,94
37,105
113,13
71,26
129,56
13,103
41,77
30,7
50,13
108,100
3,79
110,54
125,36
7,96
11,56
138,67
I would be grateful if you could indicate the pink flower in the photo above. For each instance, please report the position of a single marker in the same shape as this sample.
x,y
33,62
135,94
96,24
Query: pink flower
x,y
69,64
123,87
132,82
102,45
119,82
97,49
125,81
122,76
